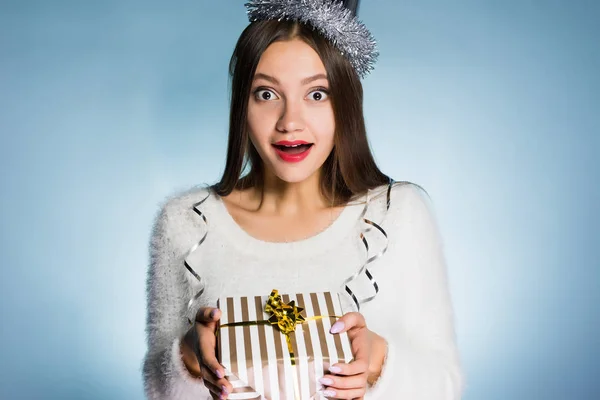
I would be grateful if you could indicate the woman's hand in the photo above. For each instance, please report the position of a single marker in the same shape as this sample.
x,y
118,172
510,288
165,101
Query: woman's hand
x,y
201,338
350,381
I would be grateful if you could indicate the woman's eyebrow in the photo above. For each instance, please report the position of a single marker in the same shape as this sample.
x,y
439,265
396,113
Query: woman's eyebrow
x,y
260,75
305,81
313,78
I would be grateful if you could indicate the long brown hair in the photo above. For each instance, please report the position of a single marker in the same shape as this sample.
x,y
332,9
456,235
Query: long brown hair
x,y
350,169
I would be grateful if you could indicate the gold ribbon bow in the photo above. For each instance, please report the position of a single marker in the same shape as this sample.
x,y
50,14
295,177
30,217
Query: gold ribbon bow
x,y
286,316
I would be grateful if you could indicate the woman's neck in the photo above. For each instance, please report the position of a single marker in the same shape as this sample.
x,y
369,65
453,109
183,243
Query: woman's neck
x,y
278,197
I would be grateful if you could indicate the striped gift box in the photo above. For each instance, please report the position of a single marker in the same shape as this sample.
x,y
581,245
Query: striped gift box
x,y
257,359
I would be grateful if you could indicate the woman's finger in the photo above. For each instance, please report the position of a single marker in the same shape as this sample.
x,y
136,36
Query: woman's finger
x,y
347,322
222,383
360,342
344,393
220,392
361,348
206,350
220,387
355,367
209,376
208,314
344,382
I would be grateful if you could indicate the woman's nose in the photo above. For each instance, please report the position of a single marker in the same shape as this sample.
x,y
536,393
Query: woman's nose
x,y
292,118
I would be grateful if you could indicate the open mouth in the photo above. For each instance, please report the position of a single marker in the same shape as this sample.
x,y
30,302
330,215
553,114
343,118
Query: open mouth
x,y
293,149
292,152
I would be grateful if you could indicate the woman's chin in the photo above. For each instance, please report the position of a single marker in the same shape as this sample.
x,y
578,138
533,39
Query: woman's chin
x,y
293,175
292,172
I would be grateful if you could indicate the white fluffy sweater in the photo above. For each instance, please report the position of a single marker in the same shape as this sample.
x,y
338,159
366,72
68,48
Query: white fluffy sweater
x,y
413,310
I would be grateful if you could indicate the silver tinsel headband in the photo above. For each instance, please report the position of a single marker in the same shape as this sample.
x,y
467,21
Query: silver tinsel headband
x,y
332,19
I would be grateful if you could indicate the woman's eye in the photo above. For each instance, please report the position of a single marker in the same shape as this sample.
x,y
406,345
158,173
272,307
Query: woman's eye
x,y
264,94
318,95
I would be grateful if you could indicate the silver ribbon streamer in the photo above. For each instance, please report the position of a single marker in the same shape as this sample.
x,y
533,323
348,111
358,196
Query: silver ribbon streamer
x,y
189,253
371,259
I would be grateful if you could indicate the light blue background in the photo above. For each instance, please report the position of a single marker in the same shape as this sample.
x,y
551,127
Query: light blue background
x,y
106,107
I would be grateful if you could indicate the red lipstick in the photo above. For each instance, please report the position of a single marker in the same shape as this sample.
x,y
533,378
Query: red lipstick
x,y
292,151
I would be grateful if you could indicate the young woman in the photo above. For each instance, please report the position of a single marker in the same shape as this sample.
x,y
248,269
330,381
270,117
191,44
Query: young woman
x,y
289,213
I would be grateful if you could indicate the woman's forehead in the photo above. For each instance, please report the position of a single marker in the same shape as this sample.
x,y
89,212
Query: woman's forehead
x,y
293,61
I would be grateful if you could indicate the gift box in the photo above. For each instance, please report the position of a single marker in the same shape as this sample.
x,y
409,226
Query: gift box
x,y
277,347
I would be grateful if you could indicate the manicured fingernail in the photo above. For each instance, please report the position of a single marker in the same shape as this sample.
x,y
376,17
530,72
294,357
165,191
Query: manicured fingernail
x,y
337,327
218,374
326,381
213,312
328,393
335,370
224,389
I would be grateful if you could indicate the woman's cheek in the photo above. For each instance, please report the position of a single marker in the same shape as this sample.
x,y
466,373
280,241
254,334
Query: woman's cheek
x,y
262,122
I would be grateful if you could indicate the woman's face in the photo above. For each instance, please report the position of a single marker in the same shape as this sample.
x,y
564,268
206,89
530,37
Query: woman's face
x,y
290,115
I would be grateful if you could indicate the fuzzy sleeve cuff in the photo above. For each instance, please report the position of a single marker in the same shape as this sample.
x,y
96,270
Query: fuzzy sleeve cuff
x,y
166,377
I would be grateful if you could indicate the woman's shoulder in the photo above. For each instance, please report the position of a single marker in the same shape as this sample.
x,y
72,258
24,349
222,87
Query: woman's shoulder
x,y
405,212
177,215
184,198
401,197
